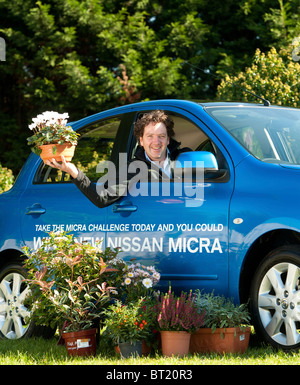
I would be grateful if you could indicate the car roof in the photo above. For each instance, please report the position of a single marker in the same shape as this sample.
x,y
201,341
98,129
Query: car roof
x,y
241,104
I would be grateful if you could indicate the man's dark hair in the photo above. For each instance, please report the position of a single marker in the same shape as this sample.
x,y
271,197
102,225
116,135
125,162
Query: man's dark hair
x,y
156,116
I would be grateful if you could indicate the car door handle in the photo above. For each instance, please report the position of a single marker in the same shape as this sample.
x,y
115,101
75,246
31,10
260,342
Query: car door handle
x,y
35,209
125,207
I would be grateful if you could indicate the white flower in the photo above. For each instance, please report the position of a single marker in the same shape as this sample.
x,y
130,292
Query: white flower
x,y
127,281
130,275
116,261
147,282
49,118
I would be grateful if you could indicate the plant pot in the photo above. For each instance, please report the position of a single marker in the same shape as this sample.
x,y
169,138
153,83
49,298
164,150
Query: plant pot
x,y
67,150
232,340
129,349
81,343
175,343
146,349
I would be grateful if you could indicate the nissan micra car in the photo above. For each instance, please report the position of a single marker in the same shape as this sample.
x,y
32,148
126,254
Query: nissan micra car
x,y
232,226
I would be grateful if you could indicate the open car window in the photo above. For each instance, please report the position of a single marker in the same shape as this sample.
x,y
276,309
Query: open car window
x,y
95,144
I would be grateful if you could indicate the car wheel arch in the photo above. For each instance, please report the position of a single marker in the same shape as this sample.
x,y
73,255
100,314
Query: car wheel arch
x,y
261,247
10,256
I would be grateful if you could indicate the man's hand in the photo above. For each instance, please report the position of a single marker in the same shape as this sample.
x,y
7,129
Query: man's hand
x,y
70,168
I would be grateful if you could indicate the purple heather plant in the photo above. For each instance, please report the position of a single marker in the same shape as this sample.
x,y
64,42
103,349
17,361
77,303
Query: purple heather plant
x,y
178,313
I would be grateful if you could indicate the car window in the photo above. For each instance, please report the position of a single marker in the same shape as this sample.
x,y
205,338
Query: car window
x,y
187,133
95,144
270,134
192,138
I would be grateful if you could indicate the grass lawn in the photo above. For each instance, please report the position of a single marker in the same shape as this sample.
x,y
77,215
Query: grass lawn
x,y
38,351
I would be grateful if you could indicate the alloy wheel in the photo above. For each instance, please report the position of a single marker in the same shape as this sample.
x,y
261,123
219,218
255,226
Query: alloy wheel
x,y
13,313
279,303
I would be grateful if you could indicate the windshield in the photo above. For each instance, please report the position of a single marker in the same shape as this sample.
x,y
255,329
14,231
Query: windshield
x,y
269,133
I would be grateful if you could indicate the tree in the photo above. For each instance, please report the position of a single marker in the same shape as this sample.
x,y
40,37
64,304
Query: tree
x,y
84,56
79,57
274,76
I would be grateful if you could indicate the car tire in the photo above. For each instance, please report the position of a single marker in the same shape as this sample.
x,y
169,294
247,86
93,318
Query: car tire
x,y
13,313
275,298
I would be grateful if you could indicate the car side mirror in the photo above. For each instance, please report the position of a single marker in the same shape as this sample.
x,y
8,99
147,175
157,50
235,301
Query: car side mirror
x,y
189,162
195,159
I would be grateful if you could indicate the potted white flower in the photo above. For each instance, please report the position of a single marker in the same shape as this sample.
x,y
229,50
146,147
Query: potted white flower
x,y
52,136
138,281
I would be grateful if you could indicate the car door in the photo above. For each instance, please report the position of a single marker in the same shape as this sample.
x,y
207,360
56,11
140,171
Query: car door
x,y
52,202
183,231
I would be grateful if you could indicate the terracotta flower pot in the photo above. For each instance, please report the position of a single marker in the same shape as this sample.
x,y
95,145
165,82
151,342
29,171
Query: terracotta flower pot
x,y
67,150
81,343
175,343
235,340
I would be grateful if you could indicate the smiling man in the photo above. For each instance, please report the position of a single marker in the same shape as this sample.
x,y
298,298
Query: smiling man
x,y
156,147
155,141
154,132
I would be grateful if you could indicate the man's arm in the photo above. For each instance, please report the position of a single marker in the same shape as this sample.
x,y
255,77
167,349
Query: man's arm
x,y
70,168
99,195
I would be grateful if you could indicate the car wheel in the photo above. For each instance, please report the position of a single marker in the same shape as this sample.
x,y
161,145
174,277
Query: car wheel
x,y
275,298
13,313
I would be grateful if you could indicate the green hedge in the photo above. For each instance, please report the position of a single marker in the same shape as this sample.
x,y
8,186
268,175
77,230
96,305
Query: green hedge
x,y
7,179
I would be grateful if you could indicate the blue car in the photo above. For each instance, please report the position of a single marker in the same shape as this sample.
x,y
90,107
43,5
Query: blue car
x,y
232,226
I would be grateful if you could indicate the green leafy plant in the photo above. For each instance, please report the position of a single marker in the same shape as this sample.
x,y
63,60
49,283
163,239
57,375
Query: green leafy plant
x,y
178,313
67,280
6,179
131,322
221,312
273,75
51,128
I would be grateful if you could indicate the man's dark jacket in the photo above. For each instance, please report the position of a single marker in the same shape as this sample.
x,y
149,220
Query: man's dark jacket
x,y
103,195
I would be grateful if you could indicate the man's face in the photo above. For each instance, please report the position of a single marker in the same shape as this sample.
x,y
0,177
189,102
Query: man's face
x,y
155,141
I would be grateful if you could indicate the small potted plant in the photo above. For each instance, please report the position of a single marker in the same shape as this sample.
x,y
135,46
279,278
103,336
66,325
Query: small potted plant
x,y
138,281
68,286
177,318
52,136
128,324
226,327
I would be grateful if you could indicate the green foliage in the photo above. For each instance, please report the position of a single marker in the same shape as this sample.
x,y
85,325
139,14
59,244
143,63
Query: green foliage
x,y
131,322
283,22
52,135
68,282
86,56
221,312
273,76
6,179
13,144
